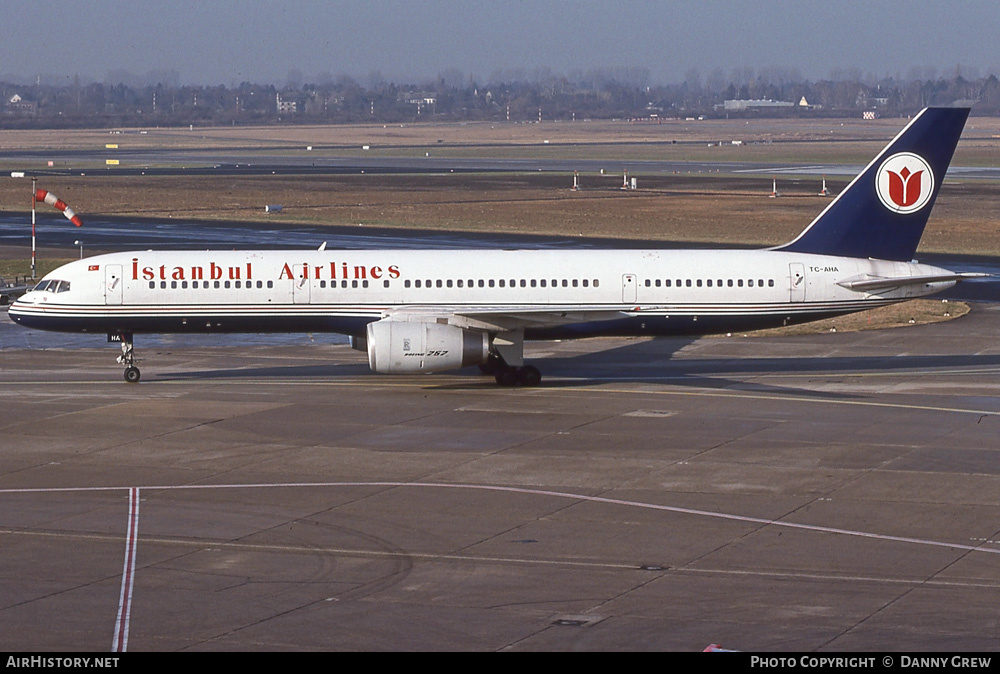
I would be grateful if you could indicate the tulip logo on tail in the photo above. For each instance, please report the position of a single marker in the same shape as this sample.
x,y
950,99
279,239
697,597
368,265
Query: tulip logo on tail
x,y
904,183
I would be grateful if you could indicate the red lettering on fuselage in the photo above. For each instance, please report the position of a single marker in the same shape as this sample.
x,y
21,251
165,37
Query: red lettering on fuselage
x,y
214,272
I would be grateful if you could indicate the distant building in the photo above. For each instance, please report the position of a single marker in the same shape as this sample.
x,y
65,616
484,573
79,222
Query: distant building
x,y
421,99
736,105
18,106
285,106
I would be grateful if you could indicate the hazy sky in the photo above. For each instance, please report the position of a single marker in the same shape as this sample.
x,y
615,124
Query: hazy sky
x,y
230,41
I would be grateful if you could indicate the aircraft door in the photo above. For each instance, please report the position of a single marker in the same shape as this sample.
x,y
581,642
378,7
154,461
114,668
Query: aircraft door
x,y
629,288
300,284
796,282
113,284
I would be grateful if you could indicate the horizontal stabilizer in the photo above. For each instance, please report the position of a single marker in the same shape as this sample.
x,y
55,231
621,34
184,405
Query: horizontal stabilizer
x,y
872,283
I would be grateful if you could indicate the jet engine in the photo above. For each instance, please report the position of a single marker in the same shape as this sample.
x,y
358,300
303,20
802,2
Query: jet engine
x,y
410,347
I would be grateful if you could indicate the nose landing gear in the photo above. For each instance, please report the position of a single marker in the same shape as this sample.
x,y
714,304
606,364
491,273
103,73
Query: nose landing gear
x,y
128,357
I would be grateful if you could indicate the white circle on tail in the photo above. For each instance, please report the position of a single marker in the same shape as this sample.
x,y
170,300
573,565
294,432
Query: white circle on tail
x,y
904,182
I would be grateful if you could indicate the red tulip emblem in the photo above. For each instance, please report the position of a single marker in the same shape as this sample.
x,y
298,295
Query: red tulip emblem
x,y
904,187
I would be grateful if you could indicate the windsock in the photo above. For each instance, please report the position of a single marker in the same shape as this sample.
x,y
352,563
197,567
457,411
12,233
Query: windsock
x,y
59,204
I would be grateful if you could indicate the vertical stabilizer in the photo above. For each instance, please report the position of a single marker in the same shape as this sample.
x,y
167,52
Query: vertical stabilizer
x,y
882,213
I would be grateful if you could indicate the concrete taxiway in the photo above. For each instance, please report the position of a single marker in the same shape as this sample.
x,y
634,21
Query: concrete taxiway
x,y
826,492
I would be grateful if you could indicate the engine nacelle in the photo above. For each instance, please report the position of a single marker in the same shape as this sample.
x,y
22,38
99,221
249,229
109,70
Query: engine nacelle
x,y
410,347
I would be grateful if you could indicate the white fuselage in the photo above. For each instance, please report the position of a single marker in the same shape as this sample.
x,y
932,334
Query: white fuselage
x,y
547,293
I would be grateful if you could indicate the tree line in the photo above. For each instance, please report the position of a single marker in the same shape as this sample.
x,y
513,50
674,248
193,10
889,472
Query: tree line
x,y
515,96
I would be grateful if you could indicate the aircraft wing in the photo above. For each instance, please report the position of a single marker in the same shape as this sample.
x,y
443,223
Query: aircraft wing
x,y
873,283
513,317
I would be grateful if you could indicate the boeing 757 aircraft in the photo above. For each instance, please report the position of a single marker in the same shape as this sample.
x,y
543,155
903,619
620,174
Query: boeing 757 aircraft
x,y
435,310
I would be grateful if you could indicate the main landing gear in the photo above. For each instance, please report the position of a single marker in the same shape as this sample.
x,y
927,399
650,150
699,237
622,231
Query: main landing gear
x,y
507,375
128,357
506,361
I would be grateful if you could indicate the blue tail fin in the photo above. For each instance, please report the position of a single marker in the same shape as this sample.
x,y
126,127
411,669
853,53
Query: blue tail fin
x,y
882,213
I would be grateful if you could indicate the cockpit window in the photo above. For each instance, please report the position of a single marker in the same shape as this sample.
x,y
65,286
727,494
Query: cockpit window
x,y
52,286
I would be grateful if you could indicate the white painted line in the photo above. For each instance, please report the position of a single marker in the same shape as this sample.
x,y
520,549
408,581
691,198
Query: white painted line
x,y
120,642
535,492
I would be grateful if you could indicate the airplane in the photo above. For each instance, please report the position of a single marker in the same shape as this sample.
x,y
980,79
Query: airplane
x,y
422,311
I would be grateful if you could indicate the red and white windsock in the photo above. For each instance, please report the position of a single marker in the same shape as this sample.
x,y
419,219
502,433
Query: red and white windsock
x,y
59,204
